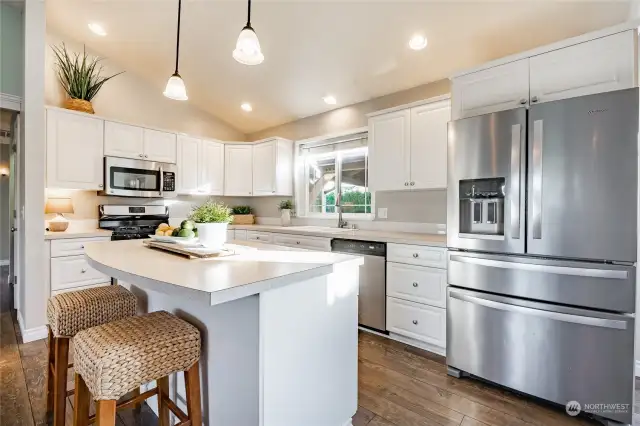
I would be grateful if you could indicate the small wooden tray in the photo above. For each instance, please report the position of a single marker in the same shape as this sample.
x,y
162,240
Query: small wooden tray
x,y
189,251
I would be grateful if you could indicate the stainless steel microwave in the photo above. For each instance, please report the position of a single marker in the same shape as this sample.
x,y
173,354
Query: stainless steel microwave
x,y
125,177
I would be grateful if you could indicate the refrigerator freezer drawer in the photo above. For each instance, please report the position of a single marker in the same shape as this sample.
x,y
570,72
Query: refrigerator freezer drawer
x,y
555,353
591,285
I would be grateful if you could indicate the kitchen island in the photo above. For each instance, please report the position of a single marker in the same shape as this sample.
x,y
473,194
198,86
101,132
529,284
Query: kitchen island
x,y
278,325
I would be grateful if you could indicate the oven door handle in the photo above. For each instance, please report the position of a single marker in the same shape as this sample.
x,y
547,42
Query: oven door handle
x,y
161,181
555,316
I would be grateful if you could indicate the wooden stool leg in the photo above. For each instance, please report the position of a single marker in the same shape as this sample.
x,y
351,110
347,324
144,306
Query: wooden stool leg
x,y
60,379
192,384
50,360
106,412
163,409
137,408
82,400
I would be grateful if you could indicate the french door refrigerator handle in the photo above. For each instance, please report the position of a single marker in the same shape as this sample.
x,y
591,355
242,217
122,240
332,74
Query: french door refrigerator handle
x,y
556,316
549,269
514,179
538,138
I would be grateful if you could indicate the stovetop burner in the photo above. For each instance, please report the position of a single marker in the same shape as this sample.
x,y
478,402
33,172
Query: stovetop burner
x,y
132,222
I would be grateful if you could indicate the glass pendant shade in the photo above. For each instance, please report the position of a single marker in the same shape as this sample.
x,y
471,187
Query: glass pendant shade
x,y
248,48
175,88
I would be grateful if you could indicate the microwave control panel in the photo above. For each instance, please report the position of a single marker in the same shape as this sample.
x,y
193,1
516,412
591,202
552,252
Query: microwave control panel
x,y
169,181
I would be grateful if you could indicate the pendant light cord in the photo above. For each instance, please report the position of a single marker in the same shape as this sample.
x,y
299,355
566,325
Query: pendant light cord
x,y
249,14
178,36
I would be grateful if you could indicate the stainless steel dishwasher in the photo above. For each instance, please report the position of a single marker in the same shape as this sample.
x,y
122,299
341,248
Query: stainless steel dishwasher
x,y
372,300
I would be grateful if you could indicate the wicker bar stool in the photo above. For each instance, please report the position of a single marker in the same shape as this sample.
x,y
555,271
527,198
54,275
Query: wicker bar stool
x,y
113,359
69,313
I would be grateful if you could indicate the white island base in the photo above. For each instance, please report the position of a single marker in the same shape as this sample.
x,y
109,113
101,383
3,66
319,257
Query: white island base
x,y
286,356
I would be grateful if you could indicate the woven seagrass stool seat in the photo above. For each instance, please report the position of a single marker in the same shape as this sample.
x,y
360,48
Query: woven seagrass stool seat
x,y
114,359
69,313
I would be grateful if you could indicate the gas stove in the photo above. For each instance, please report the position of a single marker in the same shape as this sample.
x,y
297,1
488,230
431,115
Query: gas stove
x,y
132,222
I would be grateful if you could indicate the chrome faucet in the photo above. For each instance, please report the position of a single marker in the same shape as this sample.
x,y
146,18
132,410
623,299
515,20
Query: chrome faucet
x,y
341,223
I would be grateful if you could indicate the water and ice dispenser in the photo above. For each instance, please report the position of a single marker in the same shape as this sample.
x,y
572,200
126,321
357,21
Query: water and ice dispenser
x,y
482,206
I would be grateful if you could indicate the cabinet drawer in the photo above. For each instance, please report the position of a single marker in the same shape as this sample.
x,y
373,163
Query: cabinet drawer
x,y
240,234
309,243
263,237
231,235
417,283
420,322
66,290
74,271
72,246
434,257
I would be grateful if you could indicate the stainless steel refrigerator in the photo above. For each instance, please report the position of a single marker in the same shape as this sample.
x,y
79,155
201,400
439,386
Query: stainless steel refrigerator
x,y
542,235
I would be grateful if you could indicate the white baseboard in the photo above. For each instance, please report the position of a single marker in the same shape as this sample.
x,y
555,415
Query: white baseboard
x,y
31,334
4,262
637,368
412,342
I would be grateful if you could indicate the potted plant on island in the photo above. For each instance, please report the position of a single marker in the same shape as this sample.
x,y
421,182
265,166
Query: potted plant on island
x,y
80,76
243,215
212,220
285,208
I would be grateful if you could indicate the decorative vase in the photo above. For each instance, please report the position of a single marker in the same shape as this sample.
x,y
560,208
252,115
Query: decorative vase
x,y
79,105
212,235
285,217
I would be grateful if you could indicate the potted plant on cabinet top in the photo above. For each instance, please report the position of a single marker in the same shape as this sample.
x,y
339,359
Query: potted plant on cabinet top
x,y
285,208
80,76
212,220
243,215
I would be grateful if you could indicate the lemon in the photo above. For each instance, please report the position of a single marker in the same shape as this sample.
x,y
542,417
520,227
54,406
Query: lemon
x,y
163,227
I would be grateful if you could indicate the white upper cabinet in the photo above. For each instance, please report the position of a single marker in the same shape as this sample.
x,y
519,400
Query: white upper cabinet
x,y
238,176
188,159
74,150
123,140
389,144
601,65
273,168
408,148
428,151
211,168
159,146
494,89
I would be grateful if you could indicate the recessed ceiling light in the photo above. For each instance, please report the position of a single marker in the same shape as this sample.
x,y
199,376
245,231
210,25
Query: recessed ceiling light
x,y
246,107
330,100
97,29
418,42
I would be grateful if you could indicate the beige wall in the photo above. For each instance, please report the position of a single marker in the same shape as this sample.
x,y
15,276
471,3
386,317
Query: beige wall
x,y
351,116
132,99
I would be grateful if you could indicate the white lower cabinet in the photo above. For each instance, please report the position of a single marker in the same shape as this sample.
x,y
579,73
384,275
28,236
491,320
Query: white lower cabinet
x,y
301,241
263,237
231,234
418,321
417,283
240,234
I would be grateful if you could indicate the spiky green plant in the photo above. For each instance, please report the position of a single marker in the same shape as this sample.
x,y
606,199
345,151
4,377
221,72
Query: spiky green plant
x,y
285,205
242,210
211,212
79,74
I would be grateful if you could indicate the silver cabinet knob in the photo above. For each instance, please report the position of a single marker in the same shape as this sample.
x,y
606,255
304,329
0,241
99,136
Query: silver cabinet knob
x,y
99,185
273,192
413,183
82,246
140,155
415,255
297,242
415,284
406,184
523,101
83,271
146,156
415,322
534,99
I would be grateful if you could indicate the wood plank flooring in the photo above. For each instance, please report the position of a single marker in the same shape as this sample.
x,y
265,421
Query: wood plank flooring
x,y
398,385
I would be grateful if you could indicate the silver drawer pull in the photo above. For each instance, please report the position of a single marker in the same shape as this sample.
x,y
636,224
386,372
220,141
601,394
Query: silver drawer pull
x,y
415,322
415,284
83,271
415,255
82,246
297,242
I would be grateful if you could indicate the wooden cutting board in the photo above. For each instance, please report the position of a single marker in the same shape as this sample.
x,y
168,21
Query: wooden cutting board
x,y
189,251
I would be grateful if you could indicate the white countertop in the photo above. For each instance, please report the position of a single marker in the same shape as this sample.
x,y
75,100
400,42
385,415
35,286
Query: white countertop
x,y
221,279
435,240
77,233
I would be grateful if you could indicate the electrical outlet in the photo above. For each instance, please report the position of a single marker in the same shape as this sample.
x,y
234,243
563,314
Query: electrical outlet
x,y
382,213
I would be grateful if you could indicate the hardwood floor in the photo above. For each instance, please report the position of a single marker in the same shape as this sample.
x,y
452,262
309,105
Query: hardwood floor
x,y
398,385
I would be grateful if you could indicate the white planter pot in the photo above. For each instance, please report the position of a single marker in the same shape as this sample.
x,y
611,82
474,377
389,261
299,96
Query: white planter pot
x,y
285,217
212,235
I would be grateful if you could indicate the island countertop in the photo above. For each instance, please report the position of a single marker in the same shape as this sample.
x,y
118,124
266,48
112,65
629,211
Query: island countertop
x,y
256,269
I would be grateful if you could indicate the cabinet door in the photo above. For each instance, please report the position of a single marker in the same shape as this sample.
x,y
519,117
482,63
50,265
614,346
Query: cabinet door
x,y
74,151
238,176
490,90
188,158
123,140
600,65
211,168
389,138
159,146
264,168
428,151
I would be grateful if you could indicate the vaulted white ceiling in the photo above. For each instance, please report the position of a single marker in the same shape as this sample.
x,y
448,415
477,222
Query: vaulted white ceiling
x,y
355,50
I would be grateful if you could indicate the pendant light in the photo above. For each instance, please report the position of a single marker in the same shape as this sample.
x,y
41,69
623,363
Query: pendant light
x,y
175,86
248,47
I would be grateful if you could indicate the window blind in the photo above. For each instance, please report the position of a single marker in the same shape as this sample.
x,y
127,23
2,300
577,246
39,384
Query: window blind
x,y
343,143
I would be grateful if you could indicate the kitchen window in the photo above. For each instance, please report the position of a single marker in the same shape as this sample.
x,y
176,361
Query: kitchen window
x,y
335,169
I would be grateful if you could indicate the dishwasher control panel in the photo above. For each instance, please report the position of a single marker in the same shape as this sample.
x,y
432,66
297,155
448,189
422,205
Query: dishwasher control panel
x,y
371,248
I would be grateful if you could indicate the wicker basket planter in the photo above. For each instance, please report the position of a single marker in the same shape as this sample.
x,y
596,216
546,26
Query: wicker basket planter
x,y
79,105
243,219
